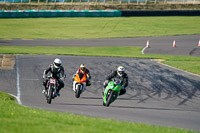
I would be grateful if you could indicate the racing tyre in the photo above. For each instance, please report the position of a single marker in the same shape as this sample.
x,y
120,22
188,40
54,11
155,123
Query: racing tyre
x,y
50,96
109,99
78,91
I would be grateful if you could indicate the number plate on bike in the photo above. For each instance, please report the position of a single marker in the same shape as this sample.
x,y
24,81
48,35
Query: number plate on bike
x,y
53,81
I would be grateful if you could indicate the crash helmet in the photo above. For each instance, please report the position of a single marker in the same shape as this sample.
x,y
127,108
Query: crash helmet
x,y
120,71
83,67
57,62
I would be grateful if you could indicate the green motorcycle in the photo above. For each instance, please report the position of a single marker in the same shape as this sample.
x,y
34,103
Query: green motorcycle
x,y
111,92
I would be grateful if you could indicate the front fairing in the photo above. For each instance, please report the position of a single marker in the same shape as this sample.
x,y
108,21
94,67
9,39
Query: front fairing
x,y
111,87
80,78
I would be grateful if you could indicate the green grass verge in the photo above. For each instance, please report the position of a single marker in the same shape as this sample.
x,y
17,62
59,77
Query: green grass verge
x,y
72,28
188,63
18,119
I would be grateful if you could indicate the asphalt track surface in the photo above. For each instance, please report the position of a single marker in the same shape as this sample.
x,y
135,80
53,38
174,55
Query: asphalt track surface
x,y
156,95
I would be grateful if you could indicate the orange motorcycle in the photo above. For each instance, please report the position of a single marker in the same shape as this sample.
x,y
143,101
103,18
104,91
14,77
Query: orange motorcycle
x,y
79,84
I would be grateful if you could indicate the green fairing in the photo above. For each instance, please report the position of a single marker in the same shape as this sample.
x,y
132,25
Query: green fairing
x,y
111,86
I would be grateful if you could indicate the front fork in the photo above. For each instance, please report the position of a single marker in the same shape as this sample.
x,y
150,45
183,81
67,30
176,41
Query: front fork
x,y
107,94
75,86
51,86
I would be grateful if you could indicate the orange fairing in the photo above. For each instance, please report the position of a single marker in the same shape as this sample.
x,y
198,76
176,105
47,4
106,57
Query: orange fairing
x,y
80,78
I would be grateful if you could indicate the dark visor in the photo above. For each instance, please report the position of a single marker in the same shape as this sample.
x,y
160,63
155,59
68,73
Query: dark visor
x,y
57,64
82,68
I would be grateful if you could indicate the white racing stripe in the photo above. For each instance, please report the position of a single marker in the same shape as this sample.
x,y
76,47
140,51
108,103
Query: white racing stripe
x,y
18,87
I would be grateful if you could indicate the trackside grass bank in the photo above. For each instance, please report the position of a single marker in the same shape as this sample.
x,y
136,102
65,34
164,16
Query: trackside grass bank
x,y
77,28
15,118
188,63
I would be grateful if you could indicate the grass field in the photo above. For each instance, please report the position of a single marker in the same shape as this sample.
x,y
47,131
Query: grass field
x,y
73,28
15,118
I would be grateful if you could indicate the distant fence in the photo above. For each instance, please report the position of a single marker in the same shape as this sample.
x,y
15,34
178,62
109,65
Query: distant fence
x,y
162,13
92,13
58,13
92,2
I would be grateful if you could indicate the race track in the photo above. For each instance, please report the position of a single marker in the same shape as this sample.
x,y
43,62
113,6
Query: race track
x,y
185,44
157,94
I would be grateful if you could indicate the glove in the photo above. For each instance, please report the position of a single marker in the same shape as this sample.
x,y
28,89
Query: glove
x,y
106,82
88,76
63,78
73,75
123,87
44,76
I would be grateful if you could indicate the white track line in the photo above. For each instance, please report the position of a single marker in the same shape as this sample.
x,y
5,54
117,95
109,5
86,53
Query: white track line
x,y
143,49
16,98
18,87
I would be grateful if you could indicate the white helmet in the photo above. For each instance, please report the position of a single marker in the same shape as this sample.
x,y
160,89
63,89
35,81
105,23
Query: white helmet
x,y
57,62
120,71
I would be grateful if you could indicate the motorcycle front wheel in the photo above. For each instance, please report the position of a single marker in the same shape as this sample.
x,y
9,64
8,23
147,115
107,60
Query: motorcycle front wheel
x,y
109,99
50,95
78,92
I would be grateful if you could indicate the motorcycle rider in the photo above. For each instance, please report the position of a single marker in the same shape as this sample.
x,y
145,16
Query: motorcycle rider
x,y
56,71
85,71
120,74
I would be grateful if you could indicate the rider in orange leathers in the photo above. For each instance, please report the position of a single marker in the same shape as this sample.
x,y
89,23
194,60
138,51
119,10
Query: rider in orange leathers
x,y
85,71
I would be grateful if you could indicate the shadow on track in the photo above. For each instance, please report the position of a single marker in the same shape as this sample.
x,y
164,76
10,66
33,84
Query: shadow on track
x,y
74,104
148,108
90,98
148,80
167,84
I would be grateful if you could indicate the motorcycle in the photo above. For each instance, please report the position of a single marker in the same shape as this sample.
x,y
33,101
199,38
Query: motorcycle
x,y
111,92
79,83
52,86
